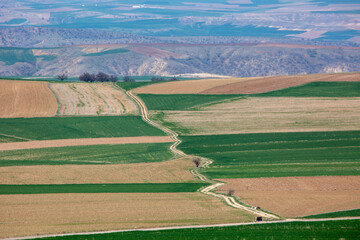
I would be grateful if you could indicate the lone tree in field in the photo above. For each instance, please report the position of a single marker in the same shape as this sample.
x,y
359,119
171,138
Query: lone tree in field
x,y
197,161
62,77
231,192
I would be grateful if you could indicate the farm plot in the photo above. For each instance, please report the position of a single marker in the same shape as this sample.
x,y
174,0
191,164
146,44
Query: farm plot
x,y
275,114
267,84
81,142
278,154
318,89
298,196
92,99
182,101
348,213
187,87
348,229
77,127
6,189
99,154
171,171
61,213
26,99
243,85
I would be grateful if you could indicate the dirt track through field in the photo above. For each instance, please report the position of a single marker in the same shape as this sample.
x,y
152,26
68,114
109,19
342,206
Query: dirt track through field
x,y
60,213
26,99
231,201
92,99
81,142
298,196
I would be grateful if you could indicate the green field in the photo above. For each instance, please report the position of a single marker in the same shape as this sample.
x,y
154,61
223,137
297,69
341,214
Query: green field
x,y
77,127
182,101
101,188
349,229
96,154
13,55
112,51
348,213
277,154
5,139
318,89
131,85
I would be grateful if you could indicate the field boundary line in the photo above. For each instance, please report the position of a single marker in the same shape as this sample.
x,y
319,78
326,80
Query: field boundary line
x,y
229,200
187,227
13,136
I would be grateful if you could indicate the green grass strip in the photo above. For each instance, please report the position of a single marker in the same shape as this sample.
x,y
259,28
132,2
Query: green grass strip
x,y
112,51
348,213
346,229
278,154
100,188
182,101
131,85
77,127
96,154
318,89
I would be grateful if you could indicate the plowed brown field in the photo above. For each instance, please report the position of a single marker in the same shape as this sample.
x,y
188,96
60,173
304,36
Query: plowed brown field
x,y
242,85
187,87
268,84
171,171
298,196
256,115
26,99
82,142
92,99
23,215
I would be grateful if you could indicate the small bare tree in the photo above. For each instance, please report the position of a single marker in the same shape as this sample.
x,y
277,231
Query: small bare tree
x,y
197,161
231,192
62,77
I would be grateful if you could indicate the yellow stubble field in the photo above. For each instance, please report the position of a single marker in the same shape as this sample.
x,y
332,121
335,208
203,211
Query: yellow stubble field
x,y
26,99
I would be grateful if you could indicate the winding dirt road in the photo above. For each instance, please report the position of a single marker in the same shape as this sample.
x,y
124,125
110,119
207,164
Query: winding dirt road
x,y
230,200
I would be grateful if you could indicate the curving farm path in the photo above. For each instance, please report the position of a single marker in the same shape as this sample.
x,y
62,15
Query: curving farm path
x,y
209,190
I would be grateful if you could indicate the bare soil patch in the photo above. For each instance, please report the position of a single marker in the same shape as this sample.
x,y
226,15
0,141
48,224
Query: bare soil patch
x,y
187,87
26,99
278,114
92,99
82,142
23,215
267,84
298,196
171,171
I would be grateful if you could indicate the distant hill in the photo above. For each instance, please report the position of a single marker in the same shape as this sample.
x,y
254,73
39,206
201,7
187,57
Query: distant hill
x,y
247,60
